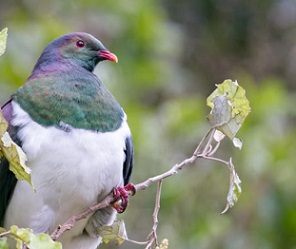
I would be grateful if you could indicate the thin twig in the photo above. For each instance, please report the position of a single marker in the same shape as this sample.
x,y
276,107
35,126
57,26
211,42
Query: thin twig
x,y
142,243
152,237
4,234
208,146
172,171
216,159
196,152
214,150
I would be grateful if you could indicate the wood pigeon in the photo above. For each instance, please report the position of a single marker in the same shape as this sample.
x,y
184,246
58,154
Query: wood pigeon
x,y
77,141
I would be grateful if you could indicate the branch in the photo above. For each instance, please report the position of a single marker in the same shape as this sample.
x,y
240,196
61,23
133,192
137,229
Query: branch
x,y
88,211
204,150
110,199
4,234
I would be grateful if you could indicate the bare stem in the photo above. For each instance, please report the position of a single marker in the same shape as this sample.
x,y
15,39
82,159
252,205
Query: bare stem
x,y
152,237
196,152
214,150
142,243
4,234
216,159
208,146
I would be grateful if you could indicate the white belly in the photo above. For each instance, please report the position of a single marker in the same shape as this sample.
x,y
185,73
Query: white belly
x,y
70,170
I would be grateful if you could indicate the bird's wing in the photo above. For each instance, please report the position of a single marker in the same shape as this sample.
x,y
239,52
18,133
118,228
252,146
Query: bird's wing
x,y
129,160
7,178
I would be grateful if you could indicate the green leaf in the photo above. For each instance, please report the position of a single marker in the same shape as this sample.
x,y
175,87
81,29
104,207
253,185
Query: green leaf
x,y
21,233
13,153
16,157
235,190
3,243
229,108
3,38
43,241
33,241
115,232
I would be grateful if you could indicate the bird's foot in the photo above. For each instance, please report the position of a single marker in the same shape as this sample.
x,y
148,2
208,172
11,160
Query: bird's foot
x,y
121,195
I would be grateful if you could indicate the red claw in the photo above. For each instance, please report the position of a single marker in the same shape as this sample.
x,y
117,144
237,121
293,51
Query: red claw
x,y
121,195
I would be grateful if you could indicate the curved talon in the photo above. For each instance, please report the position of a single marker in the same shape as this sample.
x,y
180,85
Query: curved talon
x,y
118,206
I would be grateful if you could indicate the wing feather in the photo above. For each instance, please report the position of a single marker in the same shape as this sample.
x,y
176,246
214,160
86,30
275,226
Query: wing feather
x,y
7,178
129,160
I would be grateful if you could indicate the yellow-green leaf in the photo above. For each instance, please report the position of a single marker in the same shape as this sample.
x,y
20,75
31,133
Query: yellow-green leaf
x,y
13,153
2,230
3,243
229,108
3,38
3,240
16,157
115,232
27,236
21,233
43,241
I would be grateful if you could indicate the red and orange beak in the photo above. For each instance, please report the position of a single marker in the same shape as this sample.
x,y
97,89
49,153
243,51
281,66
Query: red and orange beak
x,y
107,55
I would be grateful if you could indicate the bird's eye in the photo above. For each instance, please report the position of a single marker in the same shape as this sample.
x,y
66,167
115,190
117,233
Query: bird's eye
x,y
80,44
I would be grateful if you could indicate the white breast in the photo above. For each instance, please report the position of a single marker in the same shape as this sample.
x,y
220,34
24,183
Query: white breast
x,y
70,170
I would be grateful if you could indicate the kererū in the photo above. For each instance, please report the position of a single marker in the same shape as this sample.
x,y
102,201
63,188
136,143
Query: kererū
x,y
76,138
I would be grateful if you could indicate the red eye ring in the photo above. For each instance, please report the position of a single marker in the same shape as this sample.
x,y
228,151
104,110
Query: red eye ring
x,y
80,44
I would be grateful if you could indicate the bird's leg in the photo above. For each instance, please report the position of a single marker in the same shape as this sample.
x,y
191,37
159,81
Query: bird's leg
x,y
121,195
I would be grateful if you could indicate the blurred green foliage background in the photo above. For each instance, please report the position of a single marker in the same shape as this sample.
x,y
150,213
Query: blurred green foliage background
x,y
171,54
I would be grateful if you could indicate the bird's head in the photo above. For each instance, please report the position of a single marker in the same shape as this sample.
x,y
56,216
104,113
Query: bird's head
x,y
79,48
